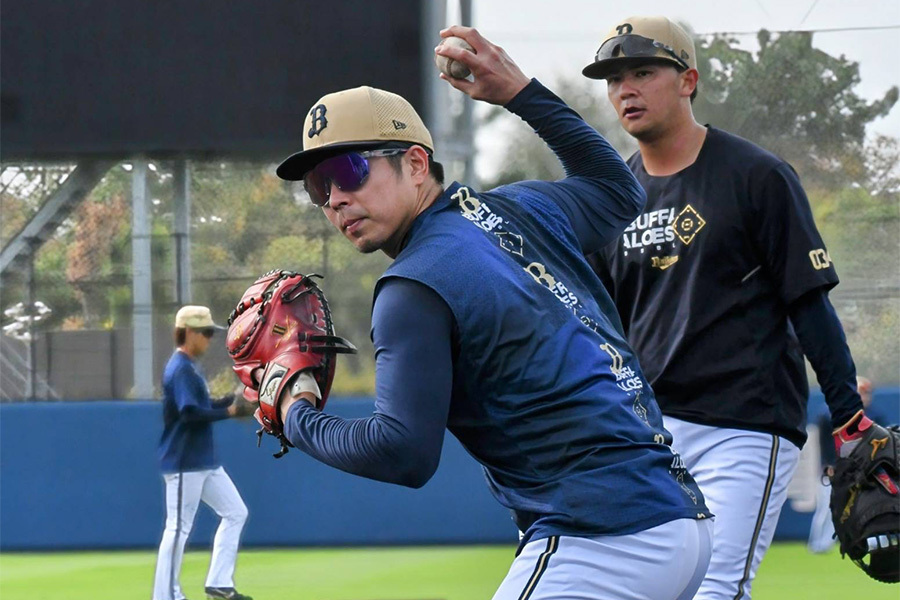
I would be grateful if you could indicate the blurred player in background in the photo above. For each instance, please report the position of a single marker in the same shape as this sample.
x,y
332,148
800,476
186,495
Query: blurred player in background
x,y
490,323
190,469
722,285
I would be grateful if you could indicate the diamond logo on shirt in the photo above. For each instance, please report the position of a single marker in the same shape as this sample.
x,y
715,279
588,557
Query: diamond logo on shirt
x,y
511,242
687,224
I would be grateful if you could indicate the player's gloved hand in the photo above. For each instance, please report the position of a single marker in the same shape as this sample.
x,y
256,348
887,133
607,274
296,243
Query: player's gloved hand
x,y
282,327
865,496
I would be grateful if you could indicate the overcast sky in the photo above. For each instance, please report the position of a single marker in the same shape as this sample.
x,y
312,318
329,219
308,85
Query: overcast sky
x,y
548,38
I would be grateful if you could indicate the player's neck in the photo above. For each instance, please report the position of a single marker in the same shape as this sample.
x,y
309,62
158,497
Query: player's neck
x,y
673,151
184,350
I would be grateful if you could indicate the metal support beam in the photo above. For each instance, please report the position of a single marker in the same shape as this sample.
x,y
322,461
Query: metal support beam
x,y
31,389
434,106
86,175
182,233
447,112
142,274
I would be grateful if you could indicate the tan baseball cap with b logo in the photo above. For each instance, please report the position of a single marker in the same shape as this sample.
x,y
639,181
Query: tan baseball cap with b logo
x,y
355,119
642,39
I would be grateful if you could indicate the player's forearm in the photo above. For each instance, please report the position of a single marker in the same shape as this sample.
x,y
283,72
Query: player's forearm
x,y
401,443
600,195
824,344
223,402
196,414
582,151
375,447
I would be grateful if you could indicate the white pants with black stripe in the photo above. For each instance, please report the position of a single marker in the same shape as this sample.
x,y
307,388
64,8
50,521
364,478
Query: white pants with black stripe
x,y
184,492
662,563
744,476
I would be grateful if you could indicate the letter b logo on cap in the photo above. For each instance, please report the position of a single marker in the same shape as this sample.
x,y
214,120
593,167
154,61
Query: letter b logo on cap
x,y
319,122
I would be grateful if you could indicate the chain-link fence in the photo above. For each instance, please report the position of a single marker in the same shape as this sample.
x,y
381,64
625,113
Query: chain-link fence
x,y
244,221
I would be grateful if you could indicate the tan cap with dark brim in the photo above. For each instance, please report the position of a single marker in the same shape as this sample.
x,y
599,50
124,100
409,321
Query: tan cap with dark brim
x,y
667,42
354,119
195,317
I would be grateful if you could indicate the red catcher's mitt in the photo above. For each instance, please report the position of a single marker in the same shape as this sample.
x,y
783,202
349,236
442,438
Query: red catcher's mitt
x,y
281,327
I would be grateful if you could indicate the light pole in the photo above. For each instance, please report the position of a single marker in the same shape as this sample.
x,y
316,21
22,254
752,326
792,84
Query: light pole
x,y
22,328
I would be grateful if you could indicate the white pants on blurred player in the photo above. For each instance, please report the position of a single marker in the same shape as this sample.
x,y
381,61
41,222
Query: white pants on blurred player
x,y
744,476
821,531
666,562
184,492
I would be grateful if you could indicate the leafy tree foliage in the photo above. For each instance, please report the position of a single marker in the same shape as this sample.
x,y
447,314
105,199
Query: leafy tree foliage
x,y
793,99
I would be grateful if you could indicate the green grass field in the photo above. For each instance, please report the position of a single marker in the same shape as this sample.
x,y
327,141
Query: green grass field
x,y
433,573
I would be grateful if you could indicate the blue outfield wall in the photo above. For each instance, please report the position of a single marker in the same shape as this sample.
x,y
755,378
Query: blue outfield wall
x,y
77,475
85,475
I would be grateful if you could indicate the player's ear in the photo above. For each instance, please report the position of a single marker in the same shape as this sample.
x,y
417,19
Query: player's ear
x,y
417,158
689,80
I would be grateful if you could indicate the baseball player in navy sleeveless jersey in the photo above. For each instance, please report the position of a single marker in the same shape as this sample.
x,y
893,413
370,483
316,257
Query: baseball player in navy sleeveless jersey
x,y
722,285
190,469
490,323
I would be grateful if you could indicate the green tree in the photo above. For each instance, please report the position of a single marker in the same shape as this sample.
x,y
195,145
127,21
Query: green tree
x,y
793,99
526,156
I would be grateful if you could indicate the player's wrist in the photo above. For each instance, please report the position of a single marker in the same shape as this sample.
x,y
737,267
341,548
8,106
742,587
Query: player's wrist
x,y
848,436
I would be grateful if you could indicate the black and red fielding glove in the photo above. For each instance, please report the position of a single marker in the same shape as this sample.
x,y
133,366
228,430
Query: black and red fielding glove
x,y
865,496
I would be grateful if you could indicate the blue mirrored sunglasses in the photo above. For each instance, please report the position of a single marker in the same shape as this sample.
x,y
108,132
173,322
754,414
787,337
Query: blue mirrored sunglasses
x,y
347,171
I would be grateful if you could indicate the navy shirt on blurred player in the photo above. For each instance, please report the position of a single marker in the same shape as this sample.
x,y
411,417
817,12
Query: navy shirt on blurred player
x,y
190,470
188,414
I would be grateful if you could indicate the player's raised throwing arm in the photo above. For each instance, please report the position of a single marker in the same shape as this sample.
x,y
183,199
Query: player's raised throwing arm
x,y
599,194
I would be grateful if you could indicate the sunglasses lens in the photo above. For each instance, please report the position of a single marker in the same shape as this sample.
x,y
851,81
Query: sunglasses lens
x,y
317,188
347,171
635,46
626,46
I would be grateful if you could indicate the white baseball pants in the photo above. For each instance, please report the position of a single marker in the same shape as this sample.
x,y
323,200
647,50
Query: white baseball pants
x,y
662,563
184,492
744,476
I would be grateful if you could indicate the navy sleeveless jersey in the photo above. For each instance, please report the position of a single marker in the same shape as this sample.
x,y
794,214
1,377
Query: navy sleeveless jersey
x,y
547,394
703,280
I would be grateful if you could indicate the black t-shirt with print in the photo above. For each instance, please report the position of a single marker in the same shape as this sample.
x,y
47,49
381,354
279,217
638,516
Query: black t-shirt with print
x,y
703,278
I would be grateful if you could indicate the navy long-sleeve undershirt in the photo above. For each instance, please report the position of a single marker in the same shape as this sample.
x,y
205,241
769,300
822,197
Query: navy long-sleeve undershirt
x,y
412,327
825,346
401,442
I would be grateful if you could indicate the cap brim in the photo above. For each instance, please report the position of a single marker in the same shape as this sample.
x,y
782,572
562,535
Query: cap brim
x,y
295,166
604,68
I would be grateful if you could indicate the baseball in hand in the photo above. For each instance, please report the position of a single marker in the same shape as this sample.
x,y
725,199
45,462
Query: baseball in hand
x,y
450,67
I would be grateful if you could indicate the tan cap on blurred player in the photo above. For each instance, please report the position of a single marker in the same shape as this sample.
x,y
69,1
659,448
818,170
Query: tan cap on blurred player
x,y
642,39
195,317
355,119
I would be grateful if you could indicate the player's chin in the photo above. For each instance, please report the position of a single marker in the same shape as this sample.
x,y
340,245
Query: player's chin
x,y
364,245
639,130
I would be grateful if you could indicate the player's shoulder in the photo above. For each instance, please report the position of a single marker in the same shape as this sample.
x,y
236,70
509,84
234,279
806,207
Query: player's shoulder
x,y
177,361
740,152
179,365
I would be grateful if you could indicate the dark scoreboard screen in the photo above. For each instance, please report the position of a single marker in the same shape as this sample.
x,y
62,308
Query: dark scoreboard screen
x,y
191,77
